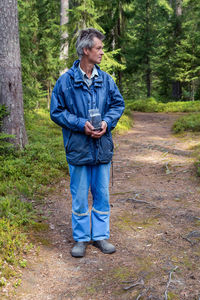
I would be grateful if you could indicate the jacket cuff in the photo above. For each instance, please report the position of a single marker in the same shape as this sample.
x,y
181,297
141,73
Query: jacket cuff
x,y
109,123
81,124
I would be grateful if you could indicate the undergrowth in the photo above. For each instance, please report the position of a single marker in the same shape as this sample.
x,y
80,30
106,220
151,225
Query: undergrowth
x,y
151,105
26,176
187,123
190,122
125,122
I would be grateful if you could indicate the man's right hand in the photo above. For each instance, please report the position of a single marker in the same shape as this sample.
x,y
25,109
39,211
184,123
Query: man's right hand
x,y
88,128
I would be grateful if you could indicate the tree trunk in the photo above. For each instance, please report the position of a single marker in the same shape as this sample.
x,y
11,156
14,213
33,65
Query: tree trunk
x,y
176,90
176,85
10,73
119,33
148,67
192,90
64,5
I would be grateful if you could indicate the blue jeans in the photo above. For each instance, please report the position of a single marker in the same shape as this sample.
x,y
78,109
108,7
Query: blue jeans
x,y
82,178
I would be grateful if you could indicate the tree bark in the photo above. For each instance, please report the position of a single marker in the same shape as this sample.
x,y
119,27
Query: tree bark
x,y
148,67
176,85
10,73
64,5
119,33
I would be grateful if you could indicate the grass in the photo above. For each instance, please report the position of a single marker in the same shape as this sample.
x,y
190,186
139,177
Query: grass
x,y
24,176
125,123
187,123
190,122
151,105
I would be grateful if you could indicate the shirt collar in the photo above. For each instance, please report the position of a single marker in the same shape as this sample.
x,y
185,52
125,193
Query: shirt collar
x,y
94,72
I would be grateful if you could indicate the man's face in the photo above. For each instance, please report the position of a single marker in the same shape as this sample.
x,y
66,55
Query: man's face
x,y
95,54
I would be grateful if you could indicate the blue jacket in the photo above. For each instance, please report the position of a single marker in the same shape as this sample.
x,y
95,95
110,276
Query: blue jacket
x,y
70,102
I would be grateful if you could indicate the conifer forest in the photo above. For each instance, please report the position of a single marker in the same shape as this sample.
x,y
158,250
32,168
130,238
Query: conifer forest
x,y
152,51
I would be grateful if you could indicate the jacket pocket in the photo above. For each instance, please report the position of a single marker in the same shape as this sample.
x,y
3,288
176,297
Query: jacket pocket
x,y
106,148
78,149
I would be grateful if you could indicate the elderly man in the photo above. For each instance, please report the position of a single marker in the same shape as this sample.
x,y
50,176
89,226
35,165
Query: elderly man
x,y
87,104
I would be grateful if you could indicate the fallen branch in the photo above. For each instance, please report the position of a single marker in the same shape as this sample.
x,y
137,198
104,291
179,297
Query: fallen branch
x,y
192,234
142,294
169,281
135,201
188,240
141,282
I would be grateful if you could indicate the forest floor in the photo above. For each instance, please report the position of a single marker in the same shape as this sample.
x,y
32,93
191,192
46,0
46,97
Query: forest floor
x,y
155,225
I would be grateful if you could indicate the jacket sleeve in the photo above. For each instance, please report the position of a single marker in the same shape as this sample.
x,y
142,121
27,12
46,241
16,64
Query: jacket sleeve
x,y
116,106
60,114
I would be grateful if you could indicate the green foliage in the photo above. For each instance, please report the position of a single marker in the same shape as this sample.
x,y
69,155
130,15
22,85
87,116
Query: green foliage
x,y
187,123
13,246
151,105
3,113
41,162
15,210
125,123
28,27
4,144
198,167
145,41
39,25
27,175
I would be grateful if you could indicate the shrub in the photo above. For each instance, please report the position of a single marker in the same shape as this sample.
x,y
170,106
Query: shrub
x,y
190,123
26,175
151,105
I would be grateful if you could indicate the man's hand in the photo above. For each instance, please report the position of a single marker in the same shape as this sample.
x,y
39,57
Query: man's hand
x,y
88,128
99,133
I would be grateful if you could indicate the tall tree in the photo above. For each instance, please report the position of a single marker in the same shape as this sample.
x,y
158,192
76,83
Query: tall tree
x,y
28,29
48,37
10,73
177,6
144,35
64,6
187,60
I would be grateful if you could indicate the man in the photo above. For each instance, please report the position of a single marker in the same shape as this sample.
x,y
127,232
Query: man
x,y
88,150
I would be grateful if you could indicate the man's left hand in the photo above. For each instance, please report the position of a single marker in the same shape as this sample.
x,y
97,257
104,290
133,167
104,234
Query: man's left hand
x,y
98,134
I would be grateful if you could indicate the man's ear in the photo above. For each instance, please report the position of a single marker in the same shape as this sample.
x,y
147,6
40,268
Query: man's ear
x,y
85,51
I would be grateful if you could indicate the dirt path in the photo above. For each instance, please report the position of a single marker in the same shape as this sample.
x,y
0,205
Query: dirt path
x,y
155,205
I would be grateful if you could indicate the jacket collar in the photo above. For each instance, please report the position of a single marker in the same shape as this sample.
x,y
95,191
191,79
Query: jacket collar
x,y
78,78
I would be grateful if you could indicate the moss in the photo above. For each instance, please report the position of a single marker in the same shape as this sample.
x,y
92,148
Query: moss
x,y
128,221
122,273
172,296
38,227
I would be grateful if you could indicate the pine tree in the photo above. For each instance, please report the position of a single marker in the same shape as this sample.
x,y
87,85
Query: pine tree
x,y
29,27
48,60
187,59
10,73
145,32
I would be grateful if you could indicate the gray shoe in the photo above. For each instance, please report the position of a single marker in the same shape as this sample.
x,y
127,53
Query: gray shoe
x,y
79,249
104,246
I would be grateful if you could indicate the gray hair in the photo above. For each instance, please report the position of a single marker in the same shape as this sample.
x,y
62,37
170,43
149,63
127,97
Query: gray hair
x,y
86,40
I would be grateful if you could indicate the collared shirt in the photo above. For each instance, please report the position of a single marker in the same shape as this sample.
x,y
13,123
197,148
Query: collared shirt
x,y
87,80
